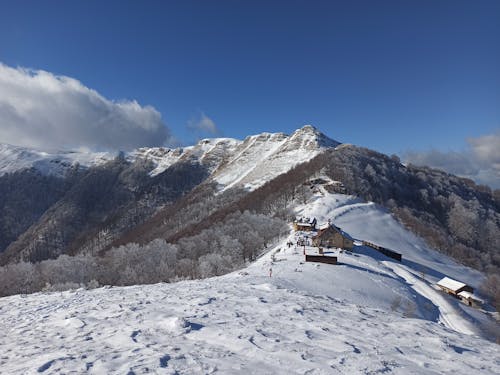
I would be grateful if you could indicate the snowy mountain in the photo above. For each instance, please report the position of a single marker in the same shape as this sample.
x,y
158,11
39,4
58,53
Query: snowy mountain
x,y
113,194
248,163
279,315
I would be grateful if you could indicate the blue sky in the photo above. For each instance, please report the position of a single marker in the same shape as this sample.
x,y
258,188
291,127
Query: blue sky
x,y
389,75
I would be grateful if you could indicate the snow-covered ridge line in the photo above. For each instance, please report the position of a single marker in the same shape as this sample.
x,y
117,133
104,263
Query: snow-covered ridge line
x,y
15,158
248,163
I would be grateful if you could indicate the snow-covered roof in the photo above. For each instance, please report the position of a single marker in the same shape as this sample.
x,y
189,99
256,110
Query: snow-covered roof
x,y
469,295
305,220
451,284
346,235
465,294
303,224
324,226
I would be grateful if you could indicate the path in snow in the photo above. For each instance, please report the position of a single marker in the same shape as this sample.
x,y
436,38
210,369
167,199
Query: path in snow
x,y
449,315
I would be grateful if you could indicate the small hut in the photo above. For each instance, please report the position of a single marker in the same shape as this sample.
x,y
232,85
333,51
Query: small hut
x,y
332,236
304,224
460,290
453,287
470,299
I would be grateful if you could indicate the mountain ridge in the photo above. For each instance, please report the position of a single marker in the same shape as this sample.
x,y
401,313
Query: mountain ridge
x,y
210,151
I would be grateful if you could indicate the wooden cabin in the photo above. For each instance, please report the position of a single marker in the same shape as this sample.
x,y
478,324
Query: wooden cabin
x,y
304,224
470,299
453,287
332,236
460,290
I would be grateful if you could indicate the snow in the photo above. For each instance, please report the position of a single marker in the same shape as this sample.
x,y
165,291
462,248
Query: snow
x,y
465,294
247,164
262,157
451,284
14,158
368,314
210,152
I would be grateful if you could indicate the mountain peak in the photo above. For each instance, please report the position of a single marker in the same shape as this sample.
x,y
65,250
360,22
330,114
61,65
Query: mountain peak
x,y
309,137
308,128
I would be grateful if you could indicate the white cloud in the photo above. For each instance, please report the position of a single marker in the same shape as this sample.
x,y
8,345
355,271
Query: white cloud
x,y
480,161
203,124
42,110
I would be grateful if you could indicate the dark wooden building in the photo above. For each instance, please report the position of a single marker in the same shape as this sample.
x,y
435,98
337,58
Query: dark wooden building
x,y
321,259
387,252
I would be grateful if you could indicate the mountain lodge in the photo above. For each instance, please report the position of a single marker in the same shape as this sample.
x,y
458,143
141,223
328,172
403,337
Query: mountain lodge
x,y
453,287
332,236
460,290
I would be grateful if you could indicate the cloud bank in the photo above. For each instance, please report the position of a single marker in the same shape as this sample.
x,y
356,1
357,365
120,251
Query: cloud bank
x,y
39,109
479,162
203,125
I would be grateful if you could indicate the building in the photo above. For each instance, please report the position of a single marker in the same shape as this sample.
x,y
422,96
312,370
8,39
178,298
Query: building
x,y
332,236
470,299
321,259
460,290
453,287
304,224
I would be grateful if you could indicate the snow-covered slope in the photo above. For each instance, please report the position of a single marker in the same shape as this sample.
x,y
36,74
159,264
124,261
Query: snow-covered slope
x,y
263,157
209,152
15,158
249,163
279,315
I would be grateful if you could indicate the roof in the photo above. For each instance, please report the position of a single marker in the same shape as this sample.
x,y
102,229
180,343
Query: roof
x,y
303,224
465,294
469,295
305,220
451,284
324,228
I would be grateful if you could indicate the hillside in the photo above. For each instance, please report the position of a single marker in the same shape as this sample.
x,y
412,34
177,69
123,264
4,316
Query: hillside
x,y
109,196
368,314
192,201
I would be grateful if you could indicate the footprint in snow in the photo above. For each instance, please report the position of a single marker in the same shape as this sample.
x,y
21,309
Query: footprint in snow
x,y
46,366
134,335
208,302
164,361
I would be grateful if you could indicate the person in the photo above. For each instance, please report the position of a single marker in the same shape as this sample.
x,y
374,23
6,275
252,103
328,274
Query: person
x,y
270,272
